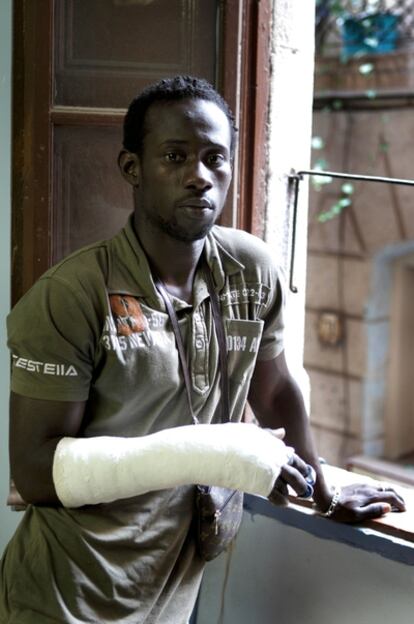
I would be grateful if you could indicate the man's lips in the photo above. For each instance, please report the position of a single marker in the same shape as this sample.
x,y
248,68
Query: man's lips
x,y
195,202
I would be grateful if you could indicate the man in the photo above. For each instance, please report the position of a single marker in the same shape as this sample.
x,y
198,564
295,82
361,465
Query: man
x,y
102,443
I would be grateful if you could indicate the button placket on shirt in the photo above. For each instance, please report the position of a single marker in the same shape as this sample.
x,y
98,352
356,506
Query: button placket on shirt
x,y
200,359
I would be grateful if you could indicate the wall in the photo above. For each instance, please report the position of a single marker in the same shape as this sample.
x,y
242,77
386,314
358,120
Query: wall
x,y
289,148
8,519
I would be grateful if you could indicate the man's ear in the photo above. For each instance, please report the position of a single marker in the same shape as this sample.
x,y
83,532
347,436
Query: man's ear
x,y
128,164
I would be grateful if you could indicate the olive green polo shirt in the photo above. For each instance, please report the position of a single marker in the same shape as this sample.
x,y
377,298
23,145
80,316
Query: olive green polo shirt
x,y
67,342
95,329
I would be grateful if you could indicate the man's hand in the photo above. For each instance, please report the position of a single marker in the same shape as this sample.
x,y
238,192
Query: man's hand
x,y
361,502
277,402
297,474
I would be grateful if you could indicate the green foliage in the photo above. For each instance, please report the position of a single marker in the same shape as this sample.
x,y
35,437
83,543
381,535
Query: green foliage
x,y
335,210
371,25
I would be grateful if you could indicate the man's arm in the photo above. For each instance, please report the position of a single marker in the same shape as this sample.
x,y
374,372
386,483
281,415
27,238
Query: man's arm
x,y
277,402
51,465
36,427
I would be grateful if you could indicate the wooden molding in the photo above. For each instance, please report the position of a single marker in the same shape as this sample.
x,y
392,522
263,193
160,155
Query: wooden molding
x,y
32,141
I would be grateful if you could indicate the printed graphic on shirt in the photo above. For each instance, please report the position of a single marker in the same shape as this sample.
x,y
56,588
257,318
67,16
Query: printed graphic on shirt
x,y
243,335
243,343
128,327
128,315
246,293
243,339
45,368
114,342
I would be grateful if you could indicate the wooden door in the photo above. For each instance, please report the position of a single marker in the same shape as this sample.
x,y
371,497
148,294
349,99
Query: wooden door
x,y
78,64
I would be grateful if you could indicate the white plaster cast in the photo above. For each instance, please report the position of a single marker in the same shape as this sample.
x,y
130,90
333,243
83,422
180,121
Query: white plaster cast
x,y
89,471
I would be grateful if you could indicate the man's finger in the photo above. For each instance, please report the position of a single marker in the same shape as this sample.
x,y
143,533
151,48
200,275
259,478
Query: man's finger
x,y
297,462
389,495
290,474
278,433
391,498
279,493
374,510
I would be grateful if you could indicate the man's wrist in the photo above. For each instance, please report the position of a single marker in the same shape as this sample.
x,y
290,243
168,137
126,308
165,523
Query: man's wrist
x,y
333,504
322,492
326,506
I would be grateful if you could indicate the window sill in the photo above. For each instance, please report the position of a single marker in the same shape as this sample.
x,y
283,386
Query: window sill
x,y
391,536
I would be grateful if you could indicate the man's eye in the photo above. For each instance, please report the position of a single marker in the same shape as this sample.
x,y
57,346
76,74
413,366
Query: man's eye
x,y
215,159
174,157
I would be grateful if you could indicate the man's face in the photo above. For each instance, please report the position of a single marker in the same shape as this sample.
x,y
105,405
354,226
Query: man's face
x,y
184,168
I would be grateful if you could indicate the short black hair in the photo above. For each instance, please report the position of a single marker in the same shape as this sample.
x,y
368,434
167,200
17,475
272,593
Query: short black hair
x,y
168,90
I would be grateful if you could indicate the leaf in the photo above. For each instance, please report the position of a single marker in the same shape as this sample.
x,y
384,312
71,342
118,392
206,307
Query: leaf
x,y
384,146
366,68
317,143
347,188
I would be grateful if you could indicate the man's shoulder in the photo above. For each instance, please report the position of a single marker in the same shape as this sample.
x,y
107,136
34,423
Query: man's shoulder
x,y
82,273
242,245
91,259
96,262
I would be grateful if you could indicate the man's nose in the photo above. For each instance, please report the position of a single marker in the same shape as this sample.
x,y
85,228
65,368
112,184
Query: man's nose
x,y
197,176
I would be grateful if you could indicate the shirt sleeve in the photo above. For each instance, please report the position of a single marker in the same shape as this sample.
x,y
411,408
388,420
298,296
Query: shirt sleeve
x,y
51,338
272,343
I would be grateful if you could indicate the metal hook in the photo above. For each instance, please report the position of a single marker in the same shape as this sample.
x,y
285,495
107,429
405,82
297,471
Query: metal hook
x,y
295,178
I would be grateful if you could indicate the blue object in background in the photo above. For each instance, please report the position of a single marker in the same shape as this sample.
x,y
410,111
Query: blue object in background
x,y
375,33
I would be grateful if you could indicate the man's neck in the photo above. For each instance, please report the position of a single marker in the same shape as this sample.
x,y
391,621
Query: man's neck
x,y
174,261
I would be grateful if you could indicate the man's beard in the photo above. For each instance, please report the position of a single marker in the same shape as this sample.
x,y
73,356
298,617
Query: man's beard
x,y
173,229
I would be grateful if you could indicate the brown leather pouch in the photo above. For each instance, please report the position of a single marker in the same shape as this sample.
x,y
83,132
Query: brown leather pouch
x,y
219,514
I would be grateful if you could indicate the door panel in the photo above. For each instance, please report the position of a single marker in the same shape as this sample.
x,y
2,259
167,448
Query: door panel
x,y
91,200
106,51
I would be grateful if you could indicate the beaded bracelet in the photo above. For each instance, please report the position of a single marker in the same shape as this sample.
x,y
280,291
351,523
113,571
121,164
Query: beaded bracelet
x,y
333,504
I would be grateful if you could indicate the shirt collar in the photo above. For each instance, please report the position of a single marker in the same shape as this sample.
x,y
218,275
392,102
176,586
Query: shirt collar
x,y
129,271
220,261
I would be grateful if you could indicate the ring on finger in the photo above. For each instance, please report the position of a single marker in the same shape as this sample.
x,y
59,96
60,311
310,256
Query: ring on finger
x,y
308,493
310,475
